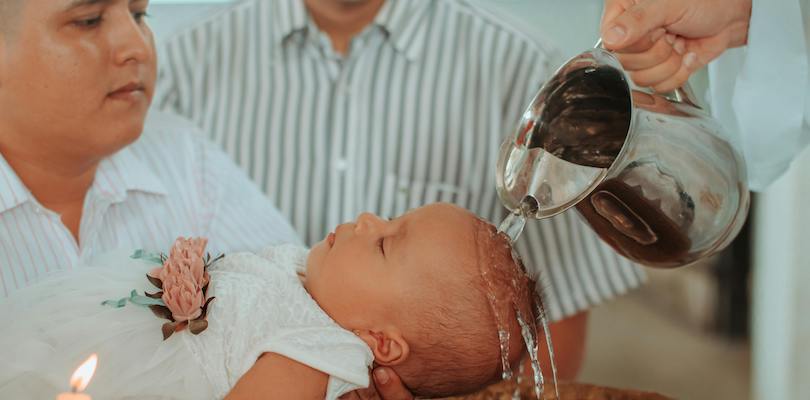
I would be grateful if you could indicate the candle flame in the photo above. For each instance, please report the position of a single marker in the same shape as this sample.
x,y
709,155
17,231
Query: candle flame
x,y
81,377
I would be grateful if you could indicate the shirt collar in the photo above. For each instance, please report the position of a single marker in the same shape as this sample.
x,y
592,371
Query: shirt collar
x,y
404,21
12,191
288,17
125,171
116,175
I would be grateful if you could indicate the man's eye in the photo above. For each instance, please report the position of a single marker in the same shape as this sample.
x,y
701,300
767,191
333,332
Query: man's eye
x,y
381,244
88,22
139,16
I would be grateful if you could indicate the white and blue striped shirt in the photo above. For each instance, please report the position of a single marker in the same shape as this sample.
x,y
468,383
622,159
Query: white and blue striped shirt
x,y
413,113
171,182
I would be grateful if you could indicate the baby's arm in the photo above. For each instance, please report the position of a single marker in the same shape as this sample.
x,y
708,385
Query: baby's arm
x,y
274,376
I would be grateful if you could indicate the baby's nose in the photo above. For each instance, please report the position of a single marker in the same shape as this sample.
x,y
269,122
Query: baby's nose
x,y
368,222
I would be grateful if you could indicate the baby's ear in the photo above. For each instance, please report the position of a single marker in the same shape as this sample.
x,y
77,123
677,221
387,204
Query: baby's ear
x,y
388,346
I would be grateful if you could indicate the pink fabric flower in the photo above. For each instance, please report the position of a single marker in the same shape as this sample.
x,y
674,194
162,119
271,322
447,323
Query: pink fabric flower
x,y
182,296
183,277
186,256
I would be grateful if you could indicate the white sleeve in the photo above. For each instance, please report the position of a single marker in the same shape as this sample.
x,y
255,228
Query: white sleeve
x,y
327,348
759,92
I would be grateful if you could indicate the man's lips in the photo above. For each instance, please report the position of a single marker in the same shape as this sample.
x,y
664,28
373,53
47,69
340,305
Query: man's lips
x,y
330,239
126,90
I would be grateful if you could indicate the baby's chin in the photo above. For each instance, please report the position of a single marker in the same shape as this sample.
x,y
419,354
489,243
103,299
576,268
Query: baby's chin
x,y
314,260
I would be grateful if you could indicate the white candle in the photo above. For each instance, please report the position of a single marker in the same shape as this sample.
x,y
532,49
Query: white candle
x,y
81,377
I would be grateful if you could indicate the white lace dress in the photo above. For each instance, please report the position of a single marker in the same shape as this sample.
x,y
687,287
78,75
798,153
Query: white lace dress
x,y
47,330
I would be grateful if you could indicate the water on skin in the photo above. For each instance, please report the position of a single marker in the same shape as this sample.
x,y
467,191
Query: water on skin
x,y
507,370
495,303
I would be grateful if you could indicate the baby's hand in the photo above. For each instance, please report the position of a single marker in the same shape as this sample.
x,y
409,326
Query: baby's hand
x,y
386,385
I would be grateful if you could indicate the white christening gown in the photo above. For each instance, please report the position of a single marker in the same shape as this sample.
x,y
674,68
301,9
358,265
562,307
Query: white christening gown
x,y
47,330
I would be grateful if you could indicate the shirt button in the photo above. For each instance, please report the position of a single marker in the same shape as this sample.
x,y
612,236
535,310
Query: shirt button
x,y
341,164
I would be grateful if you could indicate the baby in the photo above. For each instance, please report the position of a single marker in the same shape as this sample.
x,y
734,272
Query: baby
x,y
426,294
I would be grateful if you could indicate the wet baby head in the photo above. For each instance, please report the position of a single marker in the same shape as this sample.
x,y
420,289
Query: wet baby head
x,y
428,292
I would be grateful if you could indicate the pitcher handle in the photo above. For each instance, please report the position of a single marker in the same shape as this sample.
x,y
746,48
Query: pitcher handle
x,y
683,94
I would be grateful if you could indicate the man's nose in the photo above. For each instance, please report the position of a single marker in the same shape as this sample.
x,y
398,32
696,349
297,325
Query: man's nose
x,y
368,223
132,42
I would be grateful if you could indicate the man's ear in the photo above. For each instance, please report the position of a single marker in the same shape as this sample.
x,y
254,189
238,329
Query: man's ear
x,y
388,346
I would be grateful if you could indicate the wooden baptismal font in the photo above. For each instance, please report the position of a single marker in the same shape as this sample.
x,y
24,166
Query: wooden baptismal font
x,y
568,391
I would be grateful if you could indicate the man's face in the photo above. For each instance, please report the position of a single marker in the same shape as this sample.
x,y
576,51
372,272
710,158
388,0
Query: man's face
x,y
76,76
372,267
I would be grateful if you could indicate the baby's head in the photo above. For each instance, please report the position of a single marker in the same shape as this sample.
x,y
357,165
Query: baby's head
x,y
413,289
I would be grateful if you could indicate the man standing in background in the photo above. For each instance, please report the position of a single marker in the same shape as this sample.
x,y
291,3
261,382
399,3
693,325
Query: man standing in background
x,y
337,107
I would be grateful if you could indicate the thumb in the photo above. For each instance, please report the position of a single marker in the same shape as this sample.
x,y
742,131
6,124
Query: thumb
x,y
389,386
623,27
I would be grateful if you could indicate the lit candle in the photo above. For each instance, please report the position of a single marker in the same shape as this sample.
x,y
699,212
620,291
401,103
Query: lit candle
x,y
81,377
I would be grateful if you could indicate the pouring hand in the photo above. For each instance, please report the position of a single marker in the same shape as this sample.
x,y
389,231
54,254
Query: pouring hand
x,y
662,42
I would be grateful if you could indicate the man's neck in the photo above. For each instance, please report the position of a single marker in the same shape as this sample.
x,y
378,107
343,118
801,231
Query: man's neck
x,y
342,19
58,184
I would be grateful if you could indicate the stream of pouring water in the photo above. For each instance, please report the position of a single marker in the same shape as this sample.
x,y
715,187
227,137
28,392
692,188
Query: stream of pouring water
x,y
512,226
503,334
530,338
541,315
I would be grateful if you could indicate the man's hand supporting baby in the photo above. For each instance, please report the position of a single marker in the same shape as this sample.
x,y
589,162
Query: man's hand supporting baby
x,y
387,386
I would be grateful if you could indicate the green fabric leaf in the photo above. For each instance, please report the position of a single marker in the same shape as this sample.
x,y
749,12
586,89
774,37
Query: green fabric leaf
x,y
140,254
115,303
135,298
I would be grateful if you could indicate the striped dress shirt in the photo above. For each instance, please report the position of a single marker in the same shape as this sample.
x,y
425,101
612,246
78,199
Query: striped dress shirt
x,y
171,182
414,113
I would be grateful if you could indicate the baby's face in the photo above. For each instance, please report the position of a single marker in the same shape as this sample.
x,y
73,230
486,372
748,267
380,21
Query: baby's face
x,y
368,269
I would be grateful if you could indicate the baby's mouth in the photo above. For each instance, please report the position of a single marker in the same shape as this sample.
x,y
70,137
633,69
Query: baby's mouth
x,y
330,239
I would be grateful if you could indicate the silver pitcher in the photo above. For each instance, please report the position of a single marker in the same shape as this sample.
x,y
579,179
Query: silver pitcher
x,y
652,174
